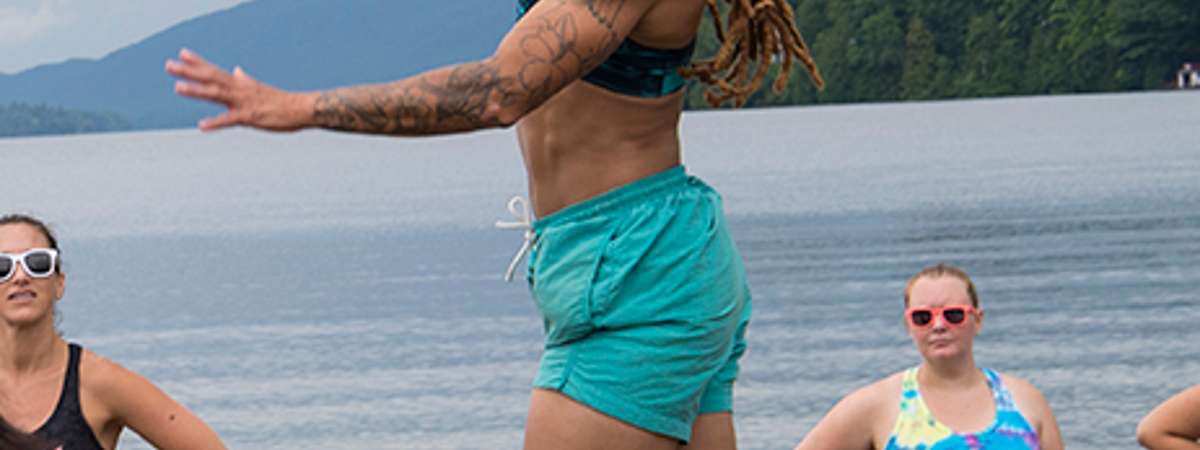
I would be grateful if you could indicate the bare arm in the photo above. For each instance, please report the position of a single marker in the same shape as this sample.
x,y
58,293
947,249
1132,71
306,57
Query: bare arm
x,y
556,43
134,402
1174,424
1049,435
851,423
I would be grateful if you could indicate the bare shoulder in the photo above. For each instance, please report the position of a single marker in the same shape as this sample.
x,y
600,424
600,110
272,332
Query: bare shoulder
x,y
100,372
876,402
103,384
108,381
884,397
1034,407
1184,404
884,390
127,399
860,421
875,395
1190,396
1021,388
1178,415
1027,397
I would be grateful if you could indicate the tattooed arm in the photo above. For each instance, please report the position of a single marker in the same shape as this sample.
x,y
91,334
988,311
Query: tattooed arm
x,y
554,44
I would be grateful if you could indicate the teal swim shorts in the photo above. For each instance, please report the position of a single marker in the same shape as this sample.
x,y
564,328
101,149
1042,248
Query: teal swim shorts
x,y
644,301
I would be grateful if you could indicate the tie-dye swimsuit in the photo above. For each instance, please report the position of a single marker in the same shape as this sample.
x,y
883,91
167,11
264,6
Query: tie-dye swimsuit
x,y
917,429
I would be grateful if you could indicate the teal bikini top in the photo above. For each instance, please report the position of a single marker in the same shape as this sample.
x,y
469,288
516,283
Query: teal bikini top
x,y
635,69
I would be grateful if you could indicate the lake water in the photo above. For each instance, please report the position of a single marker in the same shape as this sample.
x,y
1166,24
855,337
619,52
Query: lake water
x,y
318,290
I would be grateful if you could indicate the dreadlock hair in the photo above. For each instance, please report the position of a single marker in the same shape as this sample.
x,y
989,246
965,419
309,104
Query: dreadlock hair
x,y
758,31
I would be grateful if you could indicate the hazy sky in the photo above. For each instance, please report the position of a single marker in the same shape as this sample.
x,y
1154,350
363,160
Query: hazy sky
x,y
34,32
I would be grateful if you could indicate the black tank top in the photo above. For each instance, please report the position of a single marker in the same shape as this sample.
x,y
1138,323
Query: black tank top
x,y
66,427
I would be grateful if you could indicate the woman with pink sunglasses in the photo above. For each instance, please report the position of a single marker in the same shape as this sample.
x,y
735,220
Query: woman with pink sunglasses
x,y
57,392
946,402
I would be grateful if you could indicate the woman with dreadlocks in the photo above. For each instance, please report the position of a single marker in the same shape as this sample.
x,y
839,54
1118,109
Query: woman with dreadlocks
x,y
642,291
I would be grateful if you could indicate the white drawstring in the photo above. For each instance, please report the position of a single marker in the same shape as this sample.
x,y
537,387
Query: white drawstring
x,y
519,208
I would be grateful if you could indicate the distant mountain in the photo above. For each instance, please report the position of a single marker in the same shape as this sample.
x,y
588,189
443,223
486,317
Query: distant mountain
x,y
294,44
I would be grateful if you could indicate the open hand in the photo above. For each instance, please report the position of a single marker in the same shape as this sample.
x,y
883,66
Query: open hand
x,y
249,102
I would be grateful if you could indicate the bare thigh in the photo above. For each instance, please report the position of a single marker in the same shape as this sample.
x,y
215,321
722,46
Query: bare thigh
x,y
713,431
556,422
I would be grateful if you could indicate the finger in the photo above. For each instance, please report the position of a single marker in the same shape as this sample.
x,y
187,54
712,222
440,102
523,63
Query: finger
x,y
193,67
240,75
175,68
218,122
202,74
211,92
188,56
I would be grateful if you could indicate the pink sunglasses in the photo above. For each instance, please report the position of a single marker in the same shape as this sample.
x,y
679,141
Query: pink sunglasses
x,y
953,315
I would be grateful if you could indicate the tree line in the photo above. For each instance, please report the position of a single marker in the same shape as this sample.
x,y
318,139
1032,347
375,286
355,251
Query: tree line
x,y
20,119
890,50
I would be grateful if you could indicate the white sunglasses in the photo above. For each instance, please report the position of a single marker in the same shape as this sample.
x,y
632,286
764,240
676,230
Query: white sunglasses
x,y
38,263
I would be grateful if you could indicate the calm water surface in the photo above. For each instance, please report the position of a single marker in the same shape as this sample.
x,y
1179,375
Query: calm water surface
x,y
317,290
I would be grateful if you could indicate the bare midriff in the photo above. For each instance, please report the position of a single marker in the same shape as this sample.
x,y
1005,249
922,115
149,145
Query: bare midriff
x,y
585,140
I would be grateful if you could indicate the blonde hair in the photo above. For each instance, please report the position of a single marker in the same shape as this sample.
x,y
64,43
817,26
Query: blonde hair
x,y
758,30
938,271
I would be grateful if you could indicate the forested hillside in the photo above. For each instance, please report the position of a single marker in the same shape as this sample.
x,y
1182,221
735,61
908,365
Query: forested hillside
x,y
19,119
886,50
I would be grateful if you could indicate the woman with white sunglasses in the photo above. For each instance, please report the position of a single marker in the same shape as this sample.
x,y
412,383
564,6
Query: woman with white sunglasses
x,y
946,402
56,390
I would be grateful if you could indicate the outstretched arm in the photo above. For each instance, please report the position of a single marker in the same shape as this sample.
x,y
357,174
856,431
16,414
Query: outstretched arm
x,y
556,43
1174,424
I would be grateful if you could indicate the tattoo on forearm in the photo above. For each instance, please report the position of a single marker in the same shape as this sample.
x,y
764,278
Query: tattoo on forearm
x,y
453,99
458,98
